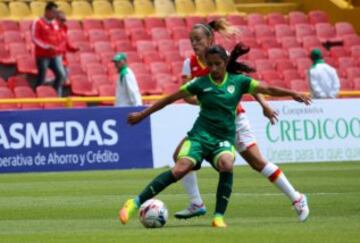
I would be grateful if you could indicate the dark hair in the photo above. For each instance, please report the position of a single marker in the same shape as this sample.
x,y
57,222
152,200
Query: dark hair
x,y
233,65
50,6
221,25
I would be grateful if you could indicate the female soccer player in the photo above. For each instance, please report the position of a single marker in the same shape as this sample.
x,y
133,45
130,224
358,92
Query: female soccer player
x,y
202,36
213,134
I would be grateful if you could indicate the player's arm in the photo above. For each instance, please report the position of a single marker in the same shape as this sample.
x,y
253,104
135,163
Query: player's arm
x,y
192,100
262,88
136,117
186,77
267,110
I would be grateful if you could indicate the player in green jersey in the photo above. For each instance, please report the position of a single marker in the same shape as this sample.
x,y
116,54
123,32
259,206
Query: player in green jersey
x,y
213,134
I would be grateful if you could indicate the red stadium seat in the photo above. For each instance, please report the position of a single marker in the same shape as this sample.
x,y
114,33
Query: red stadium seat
x,y
139,68
106,57
255,54
176,68
326,32
87,58
338,51
303,65
12,37
169,88
17,49
248,41
92,24
84,47
133,23
81,86
236,20
160,34
276,19
17,81
303,30
151,56
73,57
26,64
353,72
159,67
355,51
284,64
179,33
278,82
75,69
263,65
117,35
164,78
154,22
133,56
124,46
174,21
113,24
75,36
268,75
318,16
246,31
147,85
99,79
9,25
185,47
145,46
137,34
331,61
106,90
290,75
299,85
255,19
289,42
267,42
263,31
283,30
73,24
25,25
103,46
344,28
297,17
6,93
45,91
2,82
356,83
311,41
346,84
351,40
277,53
344,63
96,35
166,45
95,69
190,21
25,92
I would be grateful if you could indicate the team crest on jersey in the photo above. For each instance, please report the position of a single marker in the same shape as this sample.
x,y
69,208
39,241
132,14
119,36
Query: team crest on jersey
x,y
231,89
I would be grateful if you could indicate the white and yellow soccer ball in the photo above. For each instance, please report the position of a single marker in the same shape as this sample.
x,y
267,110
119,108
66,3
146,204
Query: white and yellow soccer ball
x,y
153,213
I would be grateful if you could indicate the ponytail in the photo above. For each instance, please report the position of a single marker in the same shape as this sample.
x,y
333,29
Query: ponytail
x,y
222,26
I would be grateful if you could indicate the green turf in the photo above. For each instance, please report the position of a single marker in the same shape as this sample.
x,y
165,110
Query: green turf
x,y
82,207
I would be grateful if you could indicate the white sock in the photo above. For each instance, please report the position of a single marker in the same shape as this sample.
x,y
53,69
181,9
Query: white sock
x,y
275,175
191,187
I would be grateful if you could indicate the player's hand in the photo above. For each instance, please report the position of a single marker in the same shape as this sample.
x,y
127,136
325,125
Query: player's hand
x,y
302,98
270,114
135,117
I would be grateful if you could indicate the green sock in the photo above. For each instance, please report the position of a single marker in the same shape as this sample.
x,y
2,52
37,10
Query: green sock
x,y
157,185
223,192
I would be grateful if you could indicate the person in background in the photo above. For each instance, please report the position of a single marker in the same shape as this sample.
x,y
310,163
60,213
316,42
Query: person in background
x,y
127,89
45,33
324,81
65,46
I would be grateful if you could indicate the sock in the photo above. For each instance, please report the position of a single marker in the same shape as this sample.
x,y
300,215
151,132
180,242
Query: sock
x,y
192,189
157,185
223,192
276,176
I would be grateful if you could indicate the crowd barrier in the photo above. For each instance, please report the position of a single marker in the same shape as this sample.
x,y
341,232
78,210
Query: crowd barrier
x,y
100,138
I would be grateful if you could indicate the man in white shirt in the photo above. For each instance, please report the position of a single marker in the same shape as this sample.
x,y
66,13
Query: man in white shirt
x,y
324,81
127,89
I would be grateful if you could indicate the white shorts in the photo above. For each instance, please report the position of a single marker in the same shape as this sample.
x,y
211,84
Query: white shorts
x,y
245,137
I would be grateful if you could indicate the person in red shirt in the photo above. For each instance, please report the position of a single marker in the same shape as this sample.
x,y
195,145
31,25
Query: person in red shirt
x,y
46,36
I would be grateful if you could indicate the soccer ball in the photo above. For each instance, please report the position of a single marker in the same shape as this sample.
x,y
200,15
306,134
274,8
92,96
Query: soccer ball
x,y
153,213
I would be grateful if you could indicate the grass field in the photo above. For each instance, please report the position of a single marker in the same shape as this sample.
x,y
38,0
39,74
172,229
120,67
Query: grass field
x,y
82,207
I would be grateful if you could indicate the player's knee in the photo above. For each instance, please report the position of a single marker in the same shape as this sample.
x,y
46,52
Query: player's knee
x,y
225,163
181,168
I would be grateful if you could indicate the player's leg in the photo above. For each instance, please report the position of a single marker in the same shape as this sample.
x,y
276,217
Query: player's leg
x,y
158,184
223,161
246,146
189,182
42,65
57,66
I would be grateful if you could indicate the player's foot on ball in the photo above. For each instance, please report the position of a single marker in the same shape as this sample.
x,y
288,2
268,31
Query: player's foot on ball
x,y
218,222
302,208
127,210
193,210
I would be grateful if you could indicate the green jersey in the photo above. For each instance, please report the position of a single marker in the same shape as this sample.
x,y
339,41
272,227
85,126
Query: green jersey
x,y
218,103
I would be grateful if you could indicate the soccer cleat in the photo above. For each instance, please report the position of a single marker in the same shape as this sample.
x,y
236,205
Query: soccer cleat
x,y
218,222
127,210
193,210
302,208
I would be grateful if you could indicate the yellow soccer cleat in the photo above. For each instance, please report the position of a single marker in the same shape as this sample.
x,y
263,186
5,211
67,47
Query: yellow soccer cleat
x,y
218,222
127,211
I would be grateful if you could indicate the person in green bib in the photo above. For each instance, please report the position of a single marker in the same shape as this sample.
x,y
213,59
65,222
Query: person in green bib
x,y
213,134
127,89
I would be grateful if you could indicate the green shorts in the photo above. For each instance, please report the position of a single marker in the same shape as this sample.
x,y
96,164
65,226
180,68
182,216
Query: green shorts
x,y
200,146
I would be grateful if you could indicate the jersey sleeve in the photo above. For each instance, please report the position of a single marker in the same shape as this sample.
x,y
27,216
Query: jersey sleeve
x,y
192,87
249,84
